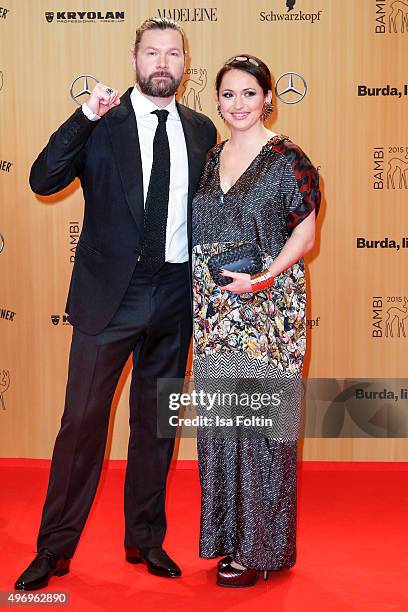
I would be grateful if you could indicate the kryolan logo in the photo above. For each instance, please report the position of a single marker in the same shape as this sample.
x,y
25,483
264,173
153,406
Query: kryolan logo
x,y
84,16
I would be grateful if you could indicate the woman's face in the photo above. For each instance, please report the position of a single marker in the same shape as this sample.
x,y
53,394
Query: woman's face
x,y
241,99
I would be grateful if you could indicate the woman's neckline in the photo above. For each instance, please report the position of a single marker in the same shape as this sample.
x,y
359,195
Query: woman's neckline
x,y
278,137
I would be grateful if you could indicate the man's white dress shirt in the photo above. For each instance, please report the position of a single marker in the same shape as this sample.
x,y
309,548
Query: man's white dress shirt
x,y
176,230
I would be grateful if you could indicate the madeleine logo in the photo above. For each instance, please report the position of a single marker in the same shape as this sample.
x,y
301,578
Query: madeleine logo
x,y
196,13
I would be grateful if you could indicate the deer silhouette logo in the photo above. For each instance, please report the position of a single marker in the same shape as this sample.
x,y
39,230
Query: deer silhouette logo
x,y
399,11
398,315
4,385
397,168
192,90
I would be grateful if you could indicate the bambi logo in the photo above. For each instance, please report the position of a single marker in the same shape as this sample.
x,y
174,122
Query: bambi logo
x,y
4,385
396,318
399,14
397,169
193,87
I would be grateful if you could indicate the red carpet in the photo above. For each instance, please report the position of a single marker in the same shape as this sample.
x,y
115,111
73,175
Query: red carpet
x,y
352,543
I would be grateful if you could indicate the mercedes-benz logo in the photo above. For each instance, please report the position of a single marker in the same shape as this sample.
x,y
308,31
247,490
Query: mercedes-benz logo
x,y
84,83
295,90
1,243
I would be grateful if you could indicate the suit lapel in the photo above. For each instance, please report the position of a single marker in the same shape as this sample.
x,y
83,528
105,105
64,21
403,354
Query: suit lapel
x,y
122,128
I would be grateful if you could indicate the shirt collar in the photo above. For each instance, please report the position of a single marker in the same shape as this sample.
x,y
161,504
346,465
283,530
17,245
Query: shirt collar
x,y
143,106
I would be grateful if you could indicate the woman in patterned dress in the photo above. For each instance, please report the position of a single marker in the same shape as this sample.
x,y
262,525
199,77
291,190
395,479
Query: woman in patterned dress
x,y
256,187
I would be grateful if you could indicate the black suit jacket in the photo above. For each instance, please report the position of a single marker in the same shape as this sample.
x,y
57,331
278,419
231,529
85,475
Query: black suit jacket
x,y
105,155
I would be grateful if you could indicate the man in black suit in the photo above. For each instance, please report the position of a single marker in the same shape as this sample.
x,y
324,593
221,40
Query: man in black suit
x,y
139,159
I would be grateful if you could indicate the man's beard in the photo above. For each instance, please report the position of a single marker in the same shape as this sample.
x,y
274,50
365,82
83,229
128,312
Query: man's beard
x,y
158,88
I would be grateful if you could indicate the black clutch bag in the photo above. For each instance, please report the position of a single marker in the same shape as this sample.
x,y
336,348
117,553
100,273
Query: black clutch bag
x,y
245,258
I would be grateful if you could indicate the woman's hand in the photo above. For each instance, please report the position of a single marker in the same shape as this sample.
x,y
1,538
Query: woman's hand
x,y
241,282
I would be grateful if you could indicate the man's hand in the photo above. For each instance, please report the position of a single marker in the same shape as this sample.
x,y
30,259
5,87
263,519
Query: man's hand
x,y
102,99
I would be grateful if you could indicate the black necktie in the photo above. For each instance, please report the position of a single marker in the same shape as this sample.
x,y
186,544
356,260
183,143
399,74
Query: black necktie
x,y
153,250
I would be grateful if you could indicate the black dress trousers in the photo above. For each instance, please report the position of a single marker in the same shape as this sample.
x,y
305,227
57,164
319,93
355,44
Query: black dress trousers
x,y
154,323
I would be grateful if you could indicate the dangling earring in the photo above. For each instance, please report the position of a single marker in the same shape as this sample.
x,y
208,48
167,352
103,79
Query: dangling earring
x,y
266,111
218,107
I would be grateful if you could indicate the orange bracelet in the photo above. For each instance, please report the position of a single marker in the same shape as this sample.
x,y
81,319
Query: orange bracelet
x,y
261,280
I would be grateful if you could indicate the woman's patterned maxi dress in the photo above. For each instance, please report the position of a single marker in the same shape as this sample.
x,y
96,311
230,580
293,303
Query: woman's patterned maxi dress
x,y
249,484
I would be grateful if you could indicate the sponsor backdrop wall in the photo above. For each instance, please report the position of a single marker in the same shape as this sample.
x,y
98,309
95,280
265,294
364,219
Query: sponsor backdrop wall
x,y
340,73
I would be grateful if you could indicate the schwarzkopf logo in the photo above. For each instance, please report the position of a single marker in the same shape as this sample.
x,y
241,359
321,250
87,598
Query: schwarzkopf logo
x,y
85,16
391,16
189,14
56,318
389,316
193,87
289,15
390,167
4,385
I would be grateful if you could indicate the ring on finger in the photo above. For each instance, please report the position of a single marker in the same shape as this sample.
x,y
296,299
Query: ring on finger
x,y
109,90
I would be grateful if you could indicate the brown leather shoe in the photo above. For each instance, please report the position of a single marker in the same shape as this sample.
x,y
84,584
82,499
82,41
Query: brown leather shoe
x,y
232,577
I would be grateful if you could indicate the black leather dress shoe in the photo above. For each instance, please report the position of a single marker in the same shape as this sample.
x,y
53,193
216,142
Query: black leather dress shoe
x,y
38,573
157,560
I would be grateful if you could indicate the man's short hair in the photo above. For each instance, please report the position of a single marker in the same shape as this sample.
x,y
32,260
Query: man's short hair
x,y
157,23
